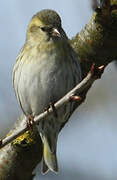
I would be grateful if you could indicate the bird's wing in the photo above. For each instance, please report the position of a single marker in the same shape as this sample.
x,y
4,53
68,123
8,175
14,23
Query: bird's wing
x,y
16,73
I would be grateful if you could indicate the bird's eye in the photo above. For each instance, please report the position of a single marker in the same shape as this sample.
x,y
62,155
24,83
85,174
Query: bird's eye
x,y
43,28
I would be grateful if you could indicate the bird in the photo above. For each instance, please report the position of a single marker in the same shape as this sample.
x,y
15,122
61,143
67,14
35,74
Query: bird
x,y
45,70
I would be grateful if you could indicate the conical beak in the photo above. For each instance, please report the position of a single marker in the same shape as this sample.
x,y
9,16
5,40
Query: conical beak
x,y
55,32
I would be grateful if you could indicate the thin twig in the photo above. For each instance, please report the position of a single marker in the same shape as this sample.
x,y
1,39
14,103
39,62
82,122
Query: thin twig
x,y
94,74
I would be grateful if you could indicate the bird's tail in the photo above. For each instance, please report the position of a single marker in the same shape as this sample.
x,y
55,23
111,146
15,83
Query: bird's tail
x,y
49,155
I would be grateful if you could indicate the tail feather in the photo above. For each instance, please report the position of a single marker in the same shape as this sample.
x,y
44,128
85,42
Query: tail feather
x,y
45,168
49,157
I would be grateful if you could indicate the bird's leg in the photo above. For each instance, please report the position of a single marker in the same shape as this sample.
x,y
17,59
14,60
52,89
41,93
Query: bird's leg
x,y
30,121
51,105
54,109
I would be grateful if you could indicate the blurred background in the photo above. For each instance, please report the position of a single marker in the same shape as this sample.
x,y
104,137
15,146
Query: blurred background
x,y
87,147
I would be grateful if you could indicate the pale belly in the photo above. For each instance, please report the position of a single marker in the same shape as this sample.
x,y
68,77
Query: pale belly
x,y
44,82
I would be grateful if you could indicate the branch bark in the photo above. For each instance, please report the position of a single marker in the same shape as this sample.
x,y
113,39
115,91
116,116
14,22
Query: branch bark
x,y
96,43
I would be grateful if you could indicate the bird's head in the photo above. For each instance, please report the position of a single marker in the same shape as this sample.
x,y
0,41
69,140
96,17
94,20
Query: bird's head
x,y
46,25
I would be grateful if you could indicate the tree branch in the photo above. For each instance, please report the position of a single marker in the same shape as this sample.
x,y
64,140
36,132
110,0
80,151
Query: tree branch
x,y
96,43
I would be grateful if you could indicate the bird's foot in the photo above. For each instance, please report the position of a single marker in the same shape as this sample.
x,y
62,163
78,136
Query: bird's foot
x,y
30,122
51,105
54,109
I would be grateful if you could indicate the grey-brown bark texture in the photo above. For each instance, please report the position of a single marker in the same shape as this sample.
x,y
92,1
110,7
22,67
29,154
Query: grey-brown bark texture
x,y
97,42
